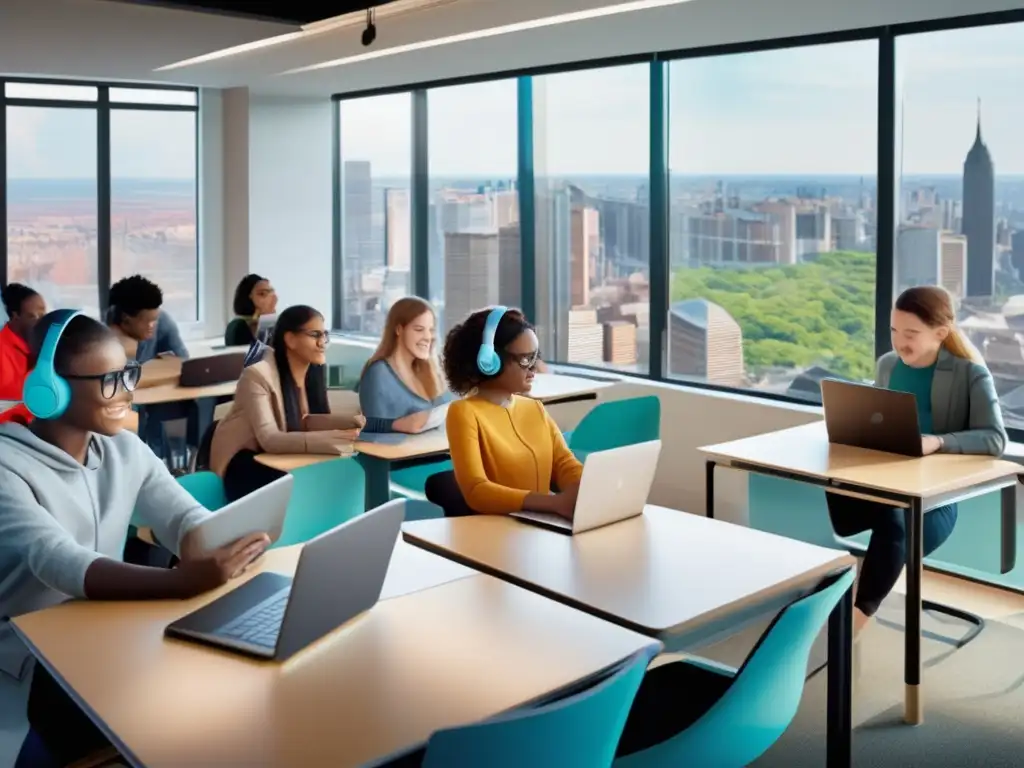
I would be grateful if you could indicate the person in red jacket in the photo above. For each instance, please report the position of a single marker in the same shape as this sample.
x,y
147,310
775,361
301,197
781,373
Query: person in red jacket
x,y
18,414
24,308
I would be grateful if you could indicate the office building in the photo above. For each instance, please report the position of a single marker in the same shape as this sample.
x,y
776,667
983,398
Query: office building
x,y
705,342
918,254
954,264
471,273
979,217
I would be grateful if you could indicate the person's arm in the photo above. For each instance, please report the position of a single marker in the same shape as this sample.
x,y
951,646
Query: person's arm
x,y
170,337
375,392
566,469
30,534
985,434
255,398
481,494
12,376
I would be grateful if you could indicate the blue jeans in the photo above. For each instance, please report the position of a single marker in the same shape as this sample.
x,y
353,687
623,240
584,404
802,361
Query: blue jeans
x,y
887,550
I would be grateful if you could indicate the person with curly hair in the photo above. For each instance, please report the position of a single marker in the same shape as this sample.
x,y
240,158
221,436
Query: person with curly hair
x,y
508,454
144,329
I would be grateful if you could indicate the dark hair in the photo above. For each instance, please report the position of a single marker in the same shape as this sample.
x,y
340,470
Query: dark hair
x,y
80,335
14,295
291,321
243,304
132,295
462,345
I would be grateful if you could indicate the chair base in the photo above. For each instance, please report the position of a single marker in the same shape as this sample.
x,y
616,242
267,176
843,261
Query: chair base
x,y
965,616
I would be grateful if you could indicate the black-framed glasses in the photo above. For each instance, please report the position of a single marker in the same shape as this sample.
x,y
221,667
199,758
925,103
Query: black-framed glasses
x,y
526,362
128,376
319,336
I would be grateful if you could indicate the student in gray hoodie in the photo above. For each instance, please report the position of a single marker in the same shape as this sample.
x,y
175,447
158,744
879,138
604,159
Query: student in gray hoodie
x,y
68,489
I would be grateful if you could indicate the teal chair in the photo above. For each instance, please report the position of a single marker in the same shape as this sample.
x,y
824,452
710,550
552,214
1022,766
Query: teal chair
x,y
582,729
734,715
205,487
409,482
324,495
616,423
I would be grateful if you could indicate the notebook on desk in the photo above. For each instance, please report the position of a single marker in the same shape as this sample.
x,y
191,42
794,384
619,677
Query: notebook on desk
x,y
614,487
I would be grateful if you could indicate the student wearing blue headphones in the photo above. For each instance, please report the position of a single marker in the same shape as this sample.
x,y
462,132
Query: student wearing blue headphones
x,y
69,485
507,451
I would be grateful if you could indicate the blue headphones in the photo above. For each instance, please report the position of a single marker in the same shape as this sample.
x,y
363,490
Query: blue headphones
x,y
488,362
46,394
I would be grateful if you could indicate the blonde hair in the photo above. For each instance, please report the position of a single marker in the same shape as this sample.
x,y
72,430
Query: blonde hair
x,y
401,313
934,307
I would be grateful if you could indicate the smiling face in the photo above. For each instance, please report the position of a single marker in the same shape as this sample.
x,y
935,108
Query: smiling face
x,y
916,342
99,400
417,337
264,298
309,343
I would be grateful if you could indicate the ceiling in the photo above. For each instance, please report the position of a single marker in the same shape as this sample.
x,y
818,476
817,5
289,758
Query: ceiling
x,y
119,40
288,11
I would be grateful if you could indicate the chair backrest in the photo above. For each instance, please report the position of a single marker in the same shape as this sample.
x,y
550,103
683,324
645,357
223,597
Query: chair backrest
x,y
763,698
201,460
324,495
205,487
616,423
581,729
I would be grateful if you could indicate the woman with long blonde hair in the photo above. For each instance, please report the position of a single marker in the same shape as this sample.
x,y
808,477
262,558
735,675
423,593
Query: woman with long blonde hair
x,y
401,383
958,412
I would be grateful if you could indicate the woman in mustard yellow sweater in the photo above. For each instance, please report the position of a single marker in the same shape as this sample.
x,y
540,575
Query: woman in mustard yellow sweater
x,y
507,452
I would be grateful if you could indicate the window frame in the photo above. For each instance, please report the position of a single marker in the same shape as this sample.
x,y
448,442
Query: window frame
x,y
659,265
103,108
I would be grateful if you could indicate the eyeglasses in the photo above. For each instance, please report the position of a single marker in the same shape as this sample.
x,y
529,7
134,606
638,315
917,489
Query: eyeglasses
x,y
129,377
526,362
319,336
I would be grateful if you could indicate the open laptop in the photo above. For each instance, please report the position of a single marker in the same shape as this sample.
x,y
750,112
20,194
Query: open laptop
x,y
340,574
262,511
865,416
215,369
614,487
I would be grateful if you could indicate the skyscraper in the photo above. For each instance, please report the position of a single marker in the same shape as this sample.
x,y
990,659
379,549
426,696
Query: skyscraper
x,y
979,217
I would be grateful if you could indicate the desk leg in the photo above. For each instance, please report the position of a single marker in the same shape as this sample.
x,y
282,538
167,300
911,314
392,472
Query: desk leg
x,y
378,480
840,683
1008,539
709,488
913,712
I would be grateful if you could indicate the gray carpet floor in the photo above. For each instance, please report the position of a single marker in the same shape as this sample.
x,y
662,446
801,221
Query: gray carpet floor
x,y
973,698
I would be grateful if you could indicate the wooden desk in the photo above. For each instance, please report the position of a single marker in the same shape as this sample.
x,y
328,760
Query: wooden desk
x,y
453,654
173,393
681,578
159,371
553,388
377,460
913,484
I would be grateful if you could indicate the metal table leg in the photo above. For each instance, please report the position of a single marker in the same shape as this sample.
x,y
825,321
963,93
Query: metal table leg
x,y
840,683
709,488
913,711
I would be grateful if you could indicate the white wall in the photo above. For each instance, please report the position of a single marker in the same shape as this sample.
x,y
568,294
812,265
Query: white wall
x,y
266,198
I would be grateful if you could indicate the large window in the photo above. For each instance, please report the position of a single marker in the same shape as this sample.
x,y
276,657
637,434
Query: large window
x,y
59,157
52,203
153,203
773,160
591,165
376,228
473,212
960,216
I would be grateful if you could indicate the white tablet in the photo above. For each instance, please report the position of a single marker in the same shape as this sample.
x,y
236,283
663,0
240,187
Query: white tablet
x,y
262,511
436,418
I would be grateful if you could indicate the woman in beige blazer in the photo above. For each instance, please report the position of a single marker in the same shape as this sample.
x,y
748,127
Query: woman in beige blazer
x,y
272,401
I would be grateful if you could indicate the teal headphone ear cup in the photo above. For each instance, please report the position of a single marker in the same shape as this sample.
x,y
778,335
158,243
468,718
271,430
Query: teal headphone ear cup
x,y
46,395
487,361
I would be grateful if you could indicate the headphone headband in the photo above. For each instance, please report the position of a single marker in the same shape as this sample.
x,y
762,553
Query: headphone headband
x,y
488,362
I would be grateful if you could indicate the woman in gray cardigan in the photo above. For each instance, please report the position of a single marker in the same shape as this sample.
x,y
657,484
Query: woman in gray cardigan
x,y
958,411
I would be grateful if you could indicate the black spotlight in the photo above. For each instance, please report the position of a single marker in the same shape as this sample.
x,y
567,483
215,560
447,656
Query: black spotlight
x,y
370,33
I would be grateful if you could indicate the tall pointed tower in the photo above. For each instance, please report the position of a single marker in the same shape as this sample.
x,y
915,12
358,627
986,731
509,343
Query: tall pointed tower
x,y
979,217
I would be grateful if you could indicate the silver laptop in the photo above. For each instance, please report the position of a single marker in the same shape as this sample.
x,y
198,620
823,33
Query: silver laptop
x,y
340,574
615,486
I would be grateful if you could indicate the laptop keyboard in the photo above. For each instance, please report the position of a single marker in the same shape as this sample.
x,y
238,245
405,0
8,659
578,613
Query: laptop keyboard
x,y
261,624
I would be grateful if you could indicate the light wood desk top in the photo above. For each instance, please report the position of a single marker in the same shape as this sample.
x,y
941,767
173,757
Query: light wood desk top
x,y
412,447
172,393
558,386
663,573
159,371
457,653
806,450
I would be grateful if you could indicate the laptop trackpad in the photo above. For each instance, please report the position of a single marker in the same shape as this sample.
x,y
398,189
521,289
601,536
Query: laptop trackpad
x,y
546,519
224,610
